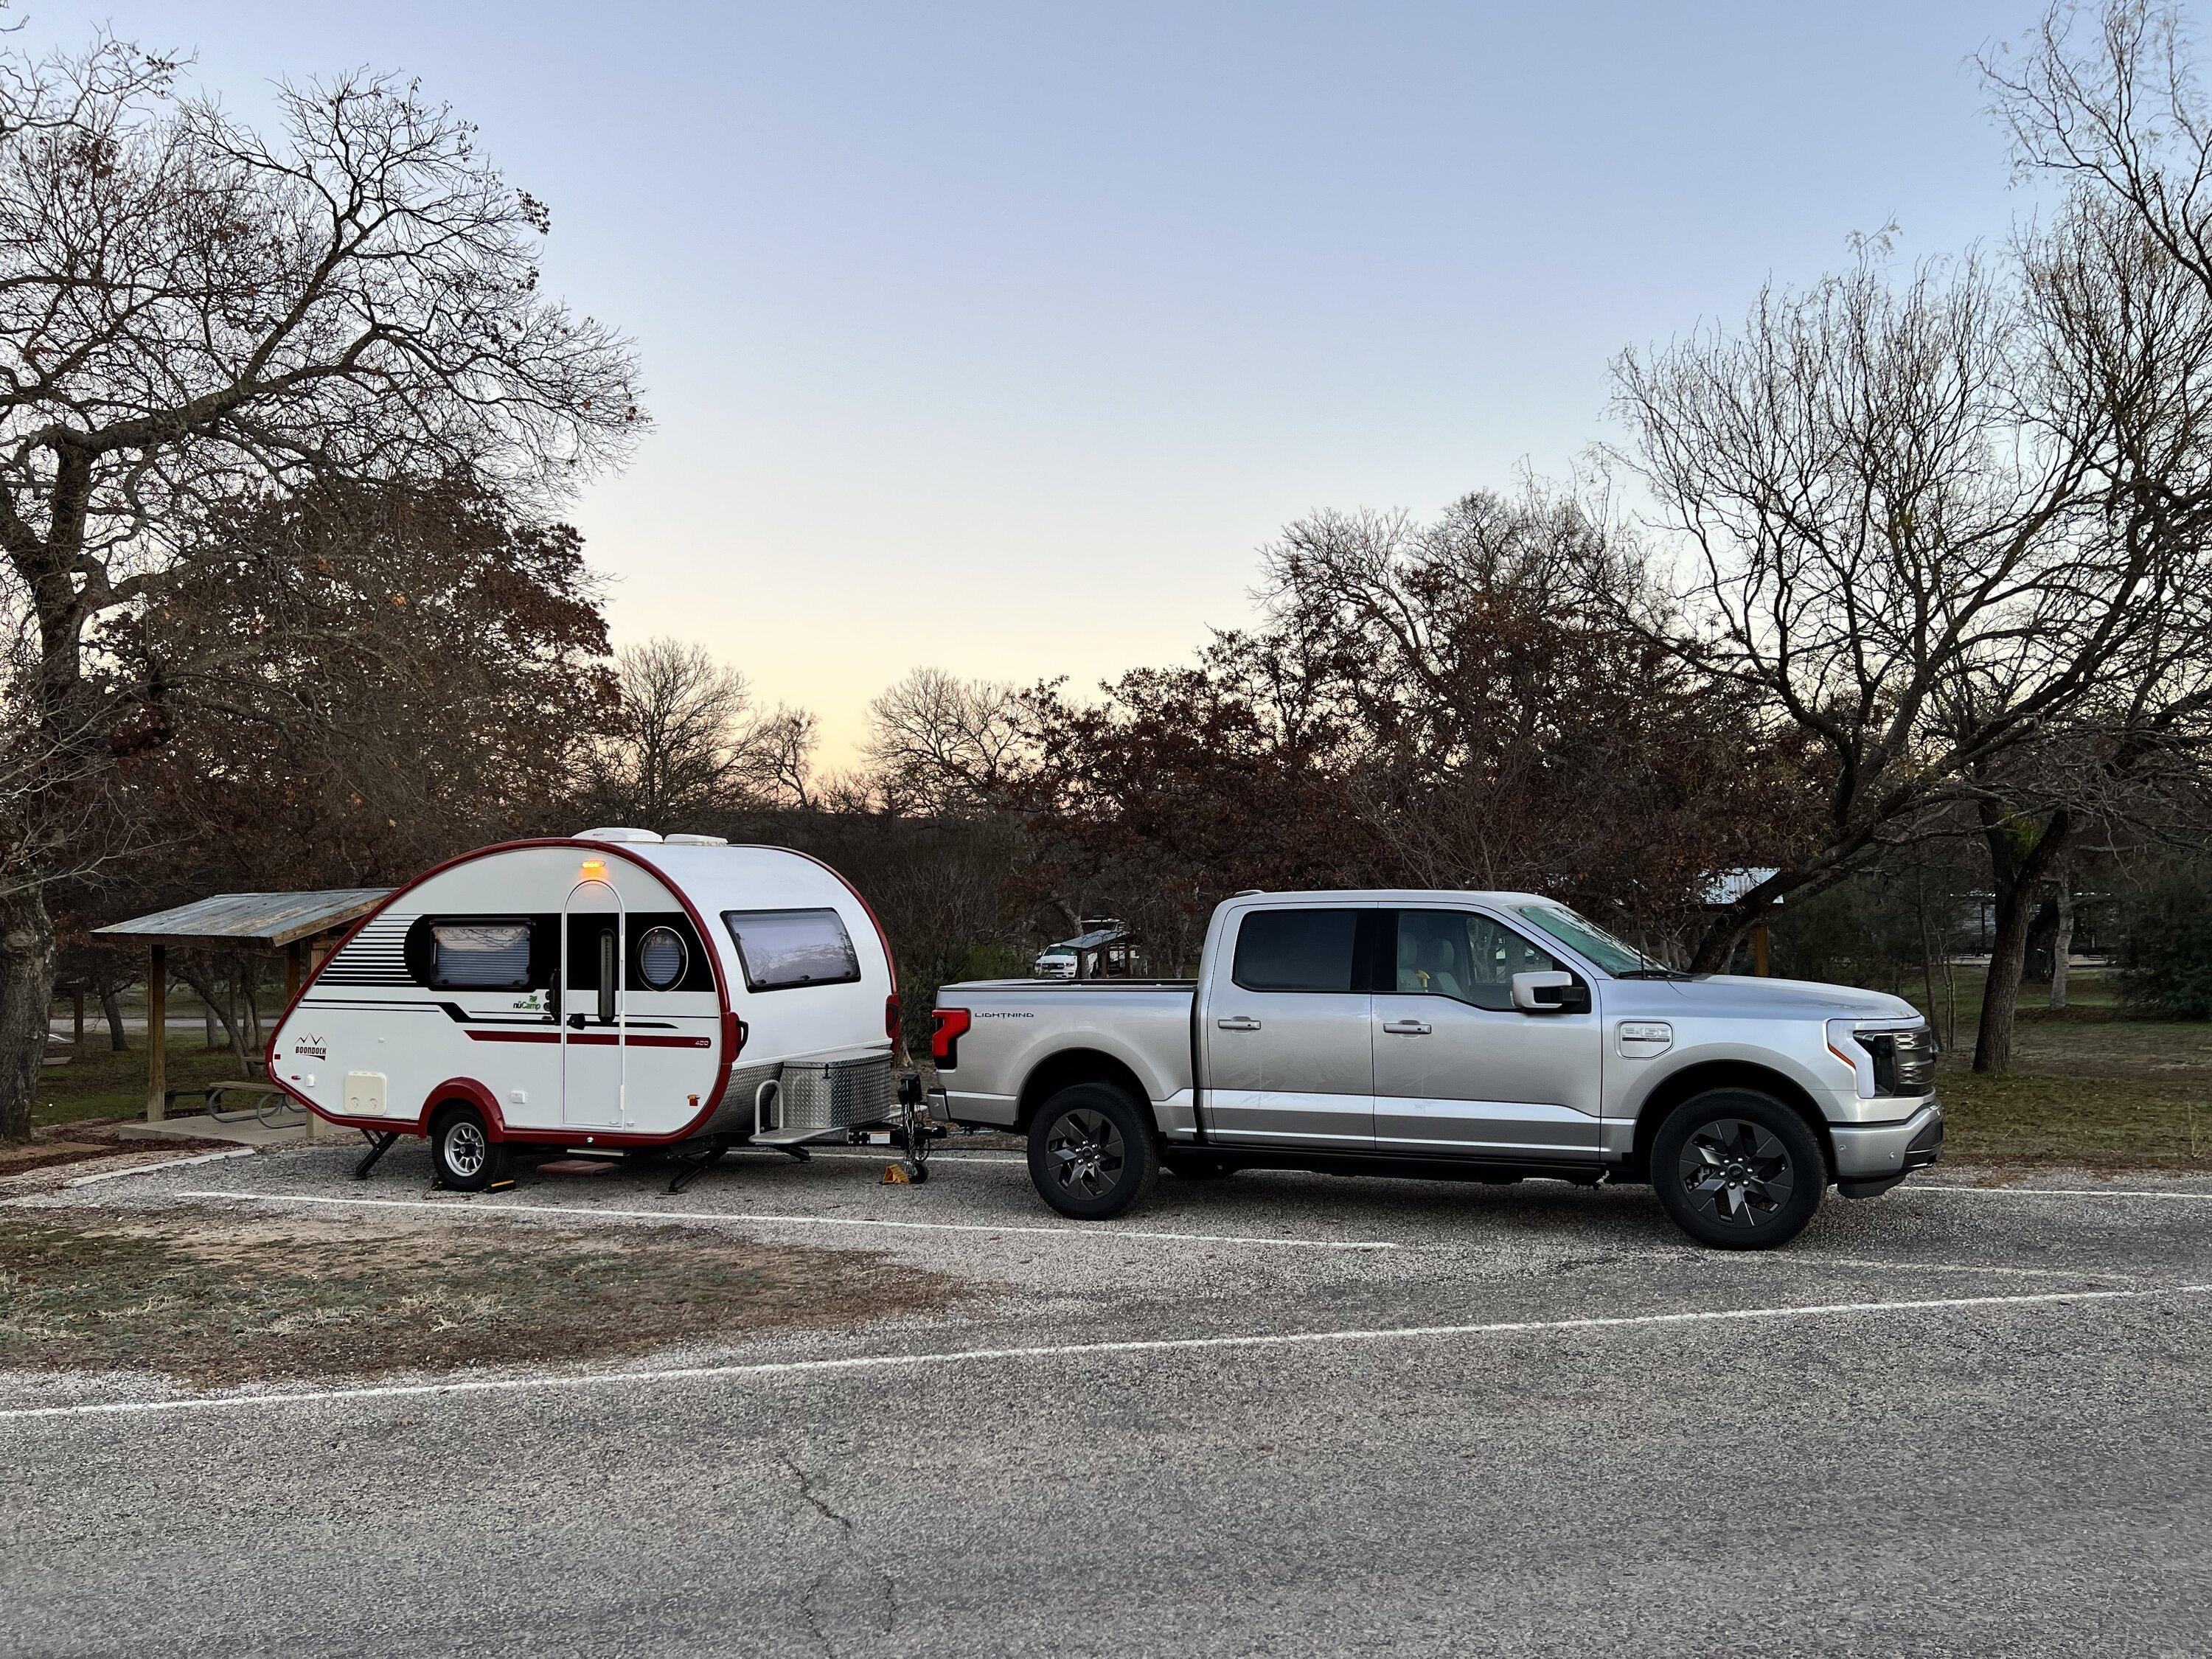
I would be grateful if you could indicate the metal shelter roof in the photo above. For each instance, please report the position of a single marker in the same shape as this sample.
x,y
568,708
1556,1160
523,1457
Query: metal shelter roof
x,y
267,922
1092,940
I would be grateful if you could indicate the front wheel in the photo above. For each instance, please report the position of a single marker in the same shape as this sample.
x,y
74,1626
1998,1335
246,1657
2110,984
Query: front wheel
x,y
1738,1169
1093,1151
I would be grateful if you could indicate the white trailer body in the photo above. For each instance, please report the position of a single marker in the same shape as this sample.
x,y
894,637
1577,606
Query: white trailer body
x,y
608,990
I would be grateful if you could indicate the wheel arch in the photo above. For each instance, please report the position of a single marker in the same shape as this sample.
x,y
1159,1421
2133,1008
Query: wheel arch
x,y
1069,1066
463,1091
1672,1089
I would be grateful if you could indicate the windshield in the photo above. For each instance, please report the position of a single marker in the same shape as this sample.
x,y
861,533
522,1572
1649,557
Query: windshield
x,y
1617,957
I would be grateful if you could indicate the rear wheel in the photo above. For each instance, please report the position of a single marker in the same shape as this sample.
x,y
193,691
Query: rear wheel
x,y
1093,1151
468,1158
1738,1169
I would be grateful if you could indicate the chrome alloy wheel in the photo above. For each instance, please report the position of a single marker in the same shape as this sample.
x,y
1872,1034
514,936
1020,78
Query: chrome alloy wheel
x,y
1736,1172
466,1149
1085,1151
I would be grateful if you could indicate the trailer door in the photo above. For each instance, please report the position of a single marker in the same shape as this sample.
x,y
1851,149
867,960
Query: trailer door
x,y
594,1049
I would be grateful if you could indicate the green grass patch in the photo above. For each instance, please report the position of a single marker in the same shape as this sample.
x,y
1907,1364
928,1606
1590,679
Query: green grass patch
x,y
102,1083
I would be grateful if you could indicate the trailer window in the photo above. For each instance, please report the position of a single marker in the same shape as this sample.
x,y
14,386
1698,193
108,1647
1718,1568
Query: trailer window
x,y
661,957
489,956
781,950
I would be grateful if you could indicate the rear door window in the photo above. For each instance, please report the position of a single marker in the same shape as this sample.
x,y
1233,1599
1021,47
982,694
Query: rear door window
x,y
1297,950
782,950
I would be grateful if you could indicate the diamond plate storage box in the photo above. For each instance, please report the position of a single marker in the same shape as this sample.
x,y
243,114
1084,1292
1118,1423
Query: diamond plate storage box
x,y
836,1094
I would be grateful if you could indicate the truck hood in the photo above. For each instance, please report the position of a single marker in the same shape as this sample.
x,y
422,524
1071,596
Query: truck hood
x,y
1738,995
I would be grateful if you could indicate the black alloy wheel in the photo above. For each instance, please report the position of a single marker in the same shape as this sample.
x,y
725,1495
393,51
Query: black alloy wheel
x,y
1738,1169
1093,1151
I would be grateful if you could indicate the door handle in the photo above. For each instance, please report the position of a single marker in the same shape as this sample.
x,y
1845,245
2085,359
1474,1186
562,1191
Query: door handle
x,y
1409,1028
1239,1023
575,1022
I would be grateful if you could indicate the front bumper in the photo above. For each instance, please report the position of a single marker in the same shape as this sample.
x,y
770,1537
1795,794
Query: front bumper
x,y
1872,1157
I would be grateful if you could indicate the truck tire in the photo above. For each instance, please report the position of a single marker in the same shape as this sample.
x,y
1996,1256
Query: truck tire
x,y
1738,1169
1093,1151
461,1145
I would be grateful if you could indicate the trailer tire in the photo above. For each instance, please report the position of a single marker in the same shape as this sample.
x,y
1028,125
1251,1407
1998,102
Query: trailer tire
x,y
1094,1152
1738,1169
468,1158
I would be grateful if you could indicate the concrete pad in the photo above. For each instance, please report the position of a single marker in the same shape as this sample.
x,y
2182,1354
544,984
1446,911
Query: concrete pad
x,y
200,1126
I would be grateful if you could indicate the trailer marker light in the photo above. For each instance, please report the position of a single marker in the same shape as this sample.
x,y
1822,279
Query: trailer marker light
x,y
595,869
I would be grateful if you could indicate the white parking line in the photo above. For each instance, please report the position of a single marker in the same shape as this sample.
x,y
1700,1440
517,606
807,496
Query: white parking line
x,y
166,1164
2050,1192
462,1206
1071,1350
1811,1259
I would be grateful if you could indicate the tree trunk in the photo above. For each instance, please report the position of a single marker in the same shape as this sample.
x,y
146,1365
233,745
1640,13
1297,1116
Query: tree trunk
x,y
201,976
2062,943
249,976
111,1005
26,995
2021,852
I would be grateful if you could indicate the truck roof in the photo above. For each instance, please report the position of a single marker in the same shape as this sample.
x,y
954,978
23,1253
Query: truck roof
x,y
1391,896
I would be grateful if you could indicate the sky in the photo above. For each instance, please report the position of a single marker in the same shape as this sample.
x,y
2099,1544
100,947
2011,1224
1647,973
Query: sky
x,y
1000,337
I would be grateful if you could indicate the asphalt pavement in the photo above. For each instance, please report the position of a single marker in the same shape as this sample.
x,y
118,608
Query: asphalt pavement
x,y
1278,1414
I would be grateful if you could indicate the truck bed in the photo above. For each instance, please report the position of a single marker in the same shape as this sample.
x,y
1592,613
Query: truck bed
x,y
1142,1025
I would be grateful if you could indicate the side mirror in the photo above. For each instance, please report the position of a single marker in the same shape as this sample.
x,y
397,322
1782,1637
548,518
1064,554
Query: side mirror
x,y
1554,992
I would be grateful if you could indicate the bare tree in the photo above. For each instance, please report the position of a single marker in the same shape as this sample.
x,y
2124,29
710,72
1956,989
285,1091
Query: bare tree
x,y
1895,533
686,740
189,312
938,744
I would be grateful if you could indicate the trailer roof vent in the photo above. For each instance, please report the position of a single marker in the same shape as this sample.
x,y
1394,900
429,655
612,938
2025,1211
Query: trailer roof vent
x,y
696,841
615,833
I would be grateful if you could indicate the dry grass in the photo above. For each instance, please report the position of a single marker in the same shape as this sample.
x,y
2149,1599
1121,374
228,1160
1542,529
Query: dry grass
x,y
212,1298
2088,1088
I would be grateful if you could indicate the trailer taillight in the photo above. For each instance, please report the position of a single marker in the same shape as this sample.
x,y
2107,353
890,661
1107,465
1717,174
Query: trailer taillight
x,y
891,1017
948,1025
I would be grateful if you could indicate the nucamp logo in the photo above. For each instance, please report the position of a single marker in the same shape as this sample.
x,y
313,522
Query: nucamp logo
x,y
311,1048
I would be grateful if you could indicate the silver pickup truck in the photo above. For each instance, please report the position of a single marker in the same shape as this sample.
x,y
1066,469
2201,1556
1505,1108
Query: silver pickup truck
x,y
1490,1037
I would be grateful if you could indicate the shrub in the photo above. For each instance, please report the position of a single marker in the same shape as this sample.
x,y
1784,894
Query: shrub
x,y
2165,956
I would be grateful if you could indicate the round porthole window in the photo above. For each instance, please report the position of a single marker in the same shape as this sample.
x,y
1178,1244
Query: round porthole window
x,y
661,957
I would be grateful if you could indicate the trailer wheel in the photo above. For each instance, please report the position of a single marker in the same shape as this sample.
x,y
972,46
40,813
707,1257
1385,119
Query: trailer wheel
x,y
461,1145
1093,1151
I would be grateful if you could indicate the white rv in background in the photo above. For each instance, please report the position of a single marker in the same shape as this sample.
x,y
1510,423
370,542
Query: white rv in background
x,y
613,990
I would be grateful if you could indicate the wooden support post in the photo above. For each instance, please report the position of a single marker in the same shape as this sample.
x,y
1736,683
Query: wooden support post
x,y
157,1032
295,964
1758,950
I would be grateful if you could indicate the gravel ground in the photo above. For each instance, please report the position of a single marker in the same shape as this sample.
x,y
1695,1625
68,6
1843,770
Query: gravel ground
x,y
2017,1466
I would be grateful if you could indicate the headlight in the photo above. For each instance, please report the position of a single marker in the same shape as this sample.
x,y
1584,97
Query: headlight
x,y
1903,1061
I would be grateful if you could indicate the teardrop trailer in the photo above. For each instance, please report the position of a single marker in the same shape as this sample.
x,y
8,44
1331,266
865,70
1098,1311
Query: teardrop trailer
x,y
614,992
